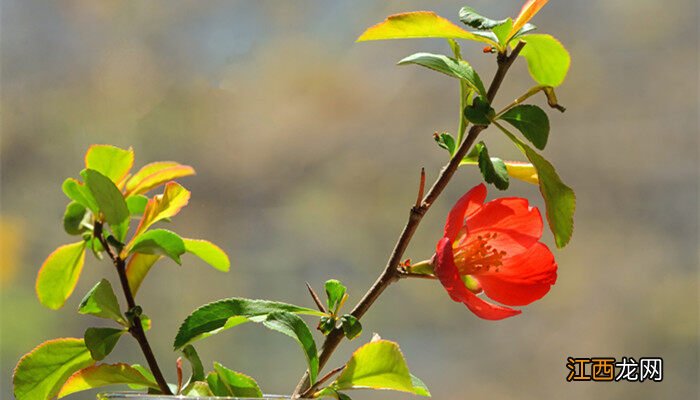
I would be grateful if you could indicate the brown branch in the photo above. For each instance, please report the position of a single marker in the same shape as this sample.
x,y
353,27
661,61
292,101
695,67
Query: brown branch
x,y
403,274
391,273
321,381
135,328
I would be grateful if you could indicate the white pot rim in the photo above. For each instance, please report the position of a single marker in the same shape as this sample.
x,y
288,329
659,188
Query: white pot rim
x,y
146,396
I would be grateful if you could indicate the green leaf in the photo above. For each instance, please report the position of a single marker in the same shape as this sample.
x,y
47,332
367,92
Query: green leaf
x,y
226,382
145,372
40,374
294,327
527,28
531,121
502,31
161,242
215,317
105,375
197,368
446,141
102,302
73,218
326,325
101,341
488,37
459,69
559,199
77,192
136,205
137,269
471,18
547,59
377,365
351,326
493,169
156,174
209,253
479,112
110,161
217,385
59,274
417,24
109,200
335,292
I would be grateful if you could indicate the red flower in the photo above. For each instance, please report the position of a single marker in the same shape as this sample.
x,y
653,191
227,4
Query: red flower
x,y
494,248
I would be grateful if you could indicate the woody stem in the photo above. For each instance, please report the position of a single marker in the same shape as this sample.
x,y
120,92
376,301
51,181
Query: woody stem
x,y
135,328
391,273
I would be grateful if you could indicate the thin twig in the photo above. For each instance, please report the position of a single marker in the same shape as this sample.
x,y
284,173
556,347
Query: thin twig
x,y
421,188
317,300
417,276
390,273
321,381
136,328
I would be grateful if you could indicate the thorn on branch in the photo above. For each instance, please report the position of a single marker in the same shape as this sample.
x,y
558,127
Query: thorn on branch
x,y
317,300
421,188
178,365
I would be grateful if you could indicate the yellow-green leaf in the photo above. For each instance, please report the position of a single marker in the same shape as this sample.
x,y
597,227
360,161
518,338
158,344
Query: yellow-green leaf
x,y
526,172
103,375
110,161
137,269
209,253
547,59
163,206
40,373
59,274
137,205
378,365
417,24
77,192
155,174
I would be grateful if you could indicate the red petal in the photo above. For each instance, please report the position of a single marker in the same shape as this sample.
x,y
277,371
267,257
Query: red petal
x,y
465,206
521,279
446,271
517,225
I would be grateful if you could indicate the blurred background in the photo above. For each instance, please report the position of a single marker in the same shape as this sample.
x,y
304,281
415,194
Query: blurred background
x,y
308,148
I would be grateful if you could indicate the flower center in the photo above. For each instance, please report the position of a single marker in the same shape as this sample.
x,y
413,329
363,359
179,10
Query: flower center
x,y
475,255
